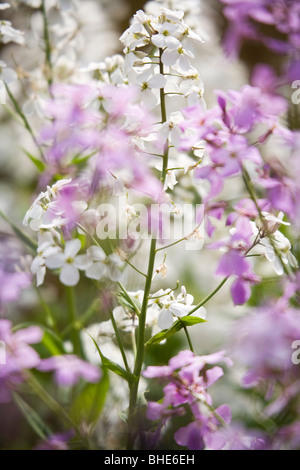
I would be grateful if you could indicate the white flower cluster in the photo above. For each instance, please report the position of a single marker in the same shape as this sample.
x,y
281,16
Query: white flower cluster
x,y
7,34
274,245
46,216
163,309
159,52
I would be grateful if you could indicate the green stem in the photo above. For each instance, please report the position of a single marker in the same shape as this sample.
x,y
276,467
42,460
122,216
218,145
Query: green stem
x,y
73,320
206,299
50,320
247,182
171,244
24,119
187,336
119,340
142,317
48,54
163,119
140,346
52,404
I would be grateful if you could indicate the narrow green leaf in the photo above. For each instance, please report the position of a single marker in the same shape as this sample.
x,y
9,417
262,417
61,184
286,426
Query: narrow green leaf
x,y
38,163
78,159
33,419
113,366
20,234
88,405
177,326
50,340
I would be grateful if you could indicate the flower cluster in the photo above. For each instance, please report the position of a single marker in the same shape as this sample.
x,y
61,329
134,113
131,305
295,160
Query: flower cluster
x,y
189,378
250,20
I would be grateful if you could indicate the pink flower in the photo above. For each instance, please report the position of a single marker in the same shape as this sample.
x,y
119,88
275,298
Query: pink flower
x,y
69,369
19,356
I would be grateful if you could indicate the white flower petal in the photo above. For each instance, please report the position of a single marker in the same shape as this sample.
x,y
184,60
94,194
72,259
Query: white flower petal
x,y
96,271
83,262
278,266
169,57
157,81
72,247
179,310
69,275
96,253
165,319
55,261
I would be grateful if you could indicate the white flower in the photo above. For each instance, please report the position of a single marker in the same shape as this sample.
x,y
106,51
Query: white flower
x,y
283,247
44,213
135,36
170,130
170,180
177,308
68,263
98,265
38,265
10,34
179,56
166,36
147,81
7,75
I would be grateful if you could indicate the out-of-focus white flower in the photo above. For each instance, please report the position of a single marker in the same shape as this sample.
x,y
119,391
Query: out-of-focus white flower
x,y
172,308
170,180
283,252
7,75
68,262
38,265
97,264
10,34
4,6
147,81
170,129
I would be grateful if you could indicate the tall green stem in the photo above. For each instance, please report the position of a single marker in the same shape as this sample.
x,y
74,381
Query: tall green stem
x,y
75,336
163,119
142,317
48,53
140,347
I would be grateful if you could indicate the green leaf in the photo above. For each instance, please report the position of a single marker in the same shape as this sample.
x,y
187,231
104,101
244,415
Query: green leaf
x,y
88,405
177,326
113,366
127,301
33,419
38,163
23,237
78,159
50,340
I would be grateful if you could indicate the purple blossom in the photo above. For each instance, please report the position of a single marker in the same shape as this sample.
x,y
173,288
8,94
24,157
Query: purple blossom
x,y
19,356
246,21
203,432
282,189
56,442
69,369
11,283
263,343
189,378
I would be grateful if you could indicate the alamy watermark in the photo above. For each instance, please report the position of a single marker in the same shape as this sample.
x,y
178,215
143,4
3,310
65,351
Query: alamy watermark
x,y
140,222
296,354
